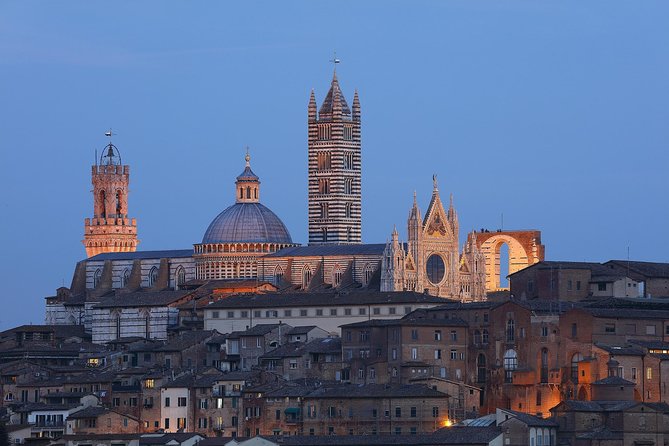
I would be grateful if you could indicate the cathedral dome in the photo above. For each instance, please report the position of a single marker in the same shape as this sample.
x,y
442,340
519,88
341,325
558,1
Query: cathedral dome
x,y
247,222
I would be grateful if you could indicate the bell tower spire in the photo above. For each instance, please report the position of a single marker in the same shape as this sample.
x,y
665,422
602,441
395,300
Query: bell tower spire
x,y
335,199
110,229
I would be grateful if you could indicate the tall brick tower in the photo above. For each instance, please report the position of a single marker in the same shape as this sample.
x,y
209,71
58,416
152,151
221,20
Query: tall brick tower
x,y
110,229
334,169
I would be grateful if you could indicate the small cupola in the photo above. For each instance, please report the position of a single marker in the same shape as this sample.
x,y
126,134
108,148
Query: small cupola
x,y
248,184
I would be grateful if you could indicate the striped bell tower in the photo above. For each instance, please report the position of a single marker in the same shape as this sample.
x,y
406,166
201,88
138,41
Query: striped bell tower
x,y
335,197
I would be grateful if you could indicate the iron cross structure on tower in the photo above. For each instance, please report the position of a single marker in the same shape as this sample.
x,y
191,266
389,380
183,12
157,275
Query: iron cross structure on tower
x,y
335,198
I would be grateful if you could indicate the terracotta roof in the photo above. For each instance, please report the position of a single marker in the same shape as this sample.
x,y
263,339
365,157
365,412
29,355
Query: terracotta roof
x,y
171,253
531,420
330,250
89,412
647,269
621,350
376,391
142,299
301,329
275,300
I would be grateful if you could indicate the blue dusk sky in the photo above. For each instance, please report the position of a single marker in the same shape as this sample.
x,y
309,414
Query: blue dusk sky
x,y
552,113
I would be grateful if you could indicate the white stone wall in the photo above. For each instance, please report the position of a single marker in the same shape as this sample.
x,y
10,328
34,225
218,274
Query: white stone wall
x,y
132,321
320,316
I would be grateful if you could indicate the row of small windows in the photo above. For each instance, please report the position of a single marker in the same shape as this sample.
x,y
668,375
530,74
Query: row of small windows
x,y
324,186
325,210
250,193
337,274
325,132
325,237
304,312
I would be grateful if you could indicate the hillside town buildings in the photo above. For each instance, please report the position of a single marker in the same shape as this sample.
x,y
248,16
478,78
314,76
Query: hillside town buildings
x,y
250,337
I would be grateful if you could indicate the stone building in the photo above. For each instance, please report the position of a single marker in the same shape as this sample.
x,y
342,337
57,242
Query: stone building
x,y
309,409
335,197
327,310
431,261
576,281
396,351
110,229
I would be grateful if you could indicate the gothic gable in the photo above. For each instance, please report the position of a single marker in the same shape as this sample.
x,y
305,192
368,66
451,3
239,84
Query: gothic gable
x,y
464,267
436,223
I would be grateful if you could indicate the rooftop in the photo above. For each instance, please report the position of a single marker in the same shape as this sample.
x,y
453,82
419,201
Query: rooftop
x,y
140,255
332,298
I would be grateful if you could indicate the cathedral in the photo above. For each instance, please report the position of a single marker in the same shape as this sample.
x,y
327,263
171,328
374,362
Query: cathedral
x,y
119,291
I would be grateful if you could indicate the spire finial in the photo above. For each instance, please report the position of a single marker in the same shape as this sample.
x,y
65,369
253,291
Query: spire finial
x,y
451,200
434,181
247,157
414,198
334,62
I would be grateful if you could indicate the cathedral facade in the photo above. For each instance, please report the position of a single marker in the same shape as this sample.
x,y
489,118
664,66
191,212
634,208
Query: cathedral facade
x,y
431,261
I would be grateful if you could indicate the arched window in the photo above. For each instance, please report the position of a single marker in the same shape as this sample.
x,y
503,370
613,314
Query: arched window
x,y
116,321
241,192
119,205
477,337
248,192
544,365
367,273
510,330
306,277
348,210
337,276
323,186
324,210
153,276
484,336
125,278
278,275
348,186
481,368
103,204
324,161
348,160
146,323
510,364
97,275
181,277
575,359
325,234
348,234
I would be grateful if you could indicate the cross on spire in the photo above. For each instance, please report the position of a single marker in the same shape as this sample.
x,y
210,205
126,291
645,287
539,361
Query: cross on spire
x,y
335,61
